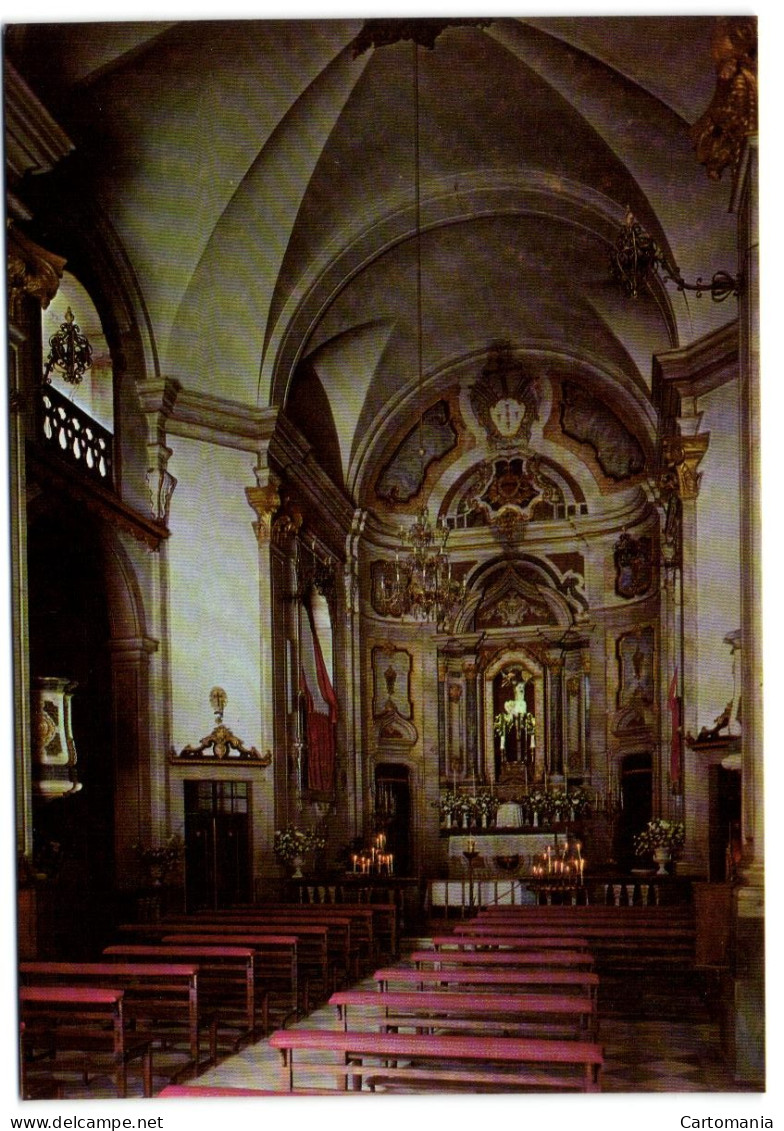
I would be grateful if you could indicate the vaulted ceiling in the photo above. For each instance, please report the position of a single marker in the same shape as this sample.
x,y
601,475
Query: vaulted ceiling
x,y
259,176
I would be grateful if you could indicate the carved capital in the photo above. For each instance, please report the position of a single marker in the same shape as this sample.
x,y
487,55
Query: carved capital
x,y
287,523
265,501
32,270
682,454
720,133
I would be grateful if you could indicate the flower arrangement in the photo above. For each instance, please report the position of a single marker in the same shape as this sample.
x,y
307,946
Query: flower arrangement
x,y
161,860
486,804
579,801
446,805
660,833
291,842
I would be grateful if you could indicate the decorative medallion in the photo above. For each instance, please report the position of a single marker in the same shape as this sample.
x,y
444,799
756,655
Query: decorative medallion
x,y
633,566
503,399
509,488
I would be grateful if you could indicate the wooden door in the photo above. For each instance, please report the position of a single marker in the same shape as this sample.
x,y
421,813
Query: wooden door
x,y
217,844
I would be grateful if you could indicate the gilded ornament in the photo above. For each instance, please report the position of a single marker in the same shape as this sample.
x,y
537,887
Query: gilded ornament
x,y
719,135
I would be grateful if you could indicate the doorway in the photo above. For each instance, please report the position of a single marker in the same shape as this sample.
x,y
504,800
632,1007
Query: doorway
x,y
636,777
217,844
393,812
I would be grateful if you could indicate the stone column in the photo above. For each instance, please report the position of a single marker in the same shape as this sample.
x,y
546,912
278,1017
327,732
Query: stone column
x,y
33,279
265,501
356,787
681,455
748,1000
133,785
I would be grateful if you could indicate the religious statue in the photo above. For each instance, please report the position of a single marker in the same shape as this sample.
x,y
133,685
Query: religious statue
x,y
515,726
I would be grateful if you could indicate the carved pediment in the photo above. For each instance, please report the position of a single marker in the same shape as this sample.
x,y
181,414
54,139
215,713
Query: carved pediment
x,y
393,731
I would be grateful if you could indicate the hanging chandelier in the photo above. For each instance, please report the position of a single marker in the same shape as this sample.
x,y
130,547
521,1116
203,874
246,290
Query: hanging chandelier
x,y
421,585
636,257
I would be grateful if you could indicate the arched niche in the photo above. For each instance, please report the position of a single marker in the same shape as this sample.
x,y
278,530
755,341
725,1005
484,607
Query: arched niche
x,y
518,752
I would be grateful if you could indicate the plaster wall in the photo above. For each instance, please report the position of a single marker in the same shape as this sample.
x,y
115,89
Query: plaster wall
x,y
215,616
718,556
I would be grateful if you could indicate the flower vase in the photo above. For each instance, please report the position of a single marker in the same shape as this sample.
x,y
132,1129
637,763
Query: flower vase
x,y
483,820
535,821
297,861
661,857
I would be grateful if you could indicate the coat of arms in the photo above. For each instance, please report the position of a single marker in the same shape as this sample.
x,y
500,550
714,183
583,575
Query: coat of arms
x,y
633,566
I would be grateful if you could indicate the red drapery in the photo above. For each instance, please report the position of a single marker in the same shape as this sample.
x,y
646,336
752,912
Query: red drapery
x,y
321,725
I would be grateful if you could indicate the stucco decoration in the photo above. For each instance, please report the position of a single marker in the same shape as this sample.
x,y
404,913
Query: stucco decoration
x,y
720,133
513,599
221,744
391,680
508,490
503,399
403,476
633,566
636,667
588,420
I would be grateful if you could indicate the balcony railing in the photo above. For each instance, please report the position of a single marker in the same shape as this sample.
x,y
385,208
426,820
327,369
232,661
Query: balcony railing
x,y
76,437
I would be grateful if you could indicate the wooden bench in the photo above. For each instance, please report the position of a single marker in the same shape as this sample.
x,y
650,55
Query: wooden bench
x,y
365,920
539,959
208,1091
362,942
492,981
442,1063
313,961
615,940
276,966
227,981
342,948
511,1014
460,940
160,998
80,1029
312,969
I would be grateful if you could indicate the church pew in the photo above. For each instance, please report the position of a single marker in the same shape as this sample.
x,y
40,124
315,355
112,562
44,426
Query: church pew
x,y
315,973
491,981
611,940
442,1063
212,1091
343,951
363,947
227,981
496,959
676,913
162,999
460,940
511,1014
276,963
313,966
82,1029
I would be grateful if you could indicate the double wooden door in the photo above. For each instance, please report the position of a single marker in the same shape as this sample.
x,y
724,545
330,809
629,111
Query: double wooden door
x,y
217,844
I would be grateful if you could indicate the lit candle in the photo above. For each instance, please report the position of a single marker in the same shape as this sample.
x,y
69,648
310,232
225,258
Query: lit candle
x,y
354,861
391,864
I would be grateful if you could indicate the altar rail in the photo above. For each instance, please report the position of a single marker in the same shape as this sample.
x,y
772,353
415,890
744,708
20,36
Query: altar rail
x,y
460,896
